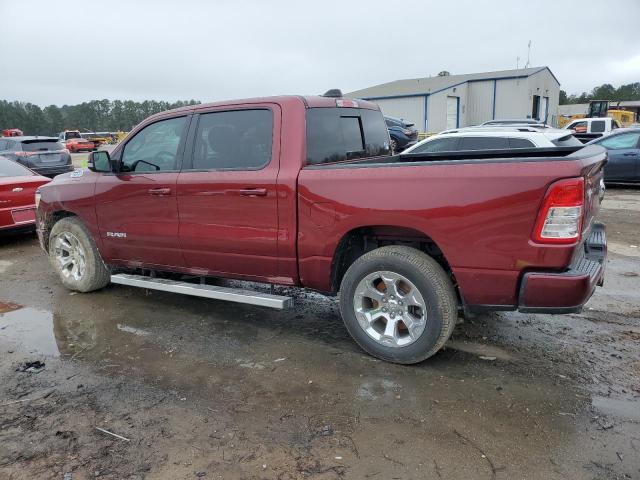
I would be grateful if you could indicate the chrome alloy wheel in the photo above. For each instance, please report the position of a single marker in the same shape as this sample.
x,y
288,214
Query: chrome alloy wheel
x,y
69,254
390,309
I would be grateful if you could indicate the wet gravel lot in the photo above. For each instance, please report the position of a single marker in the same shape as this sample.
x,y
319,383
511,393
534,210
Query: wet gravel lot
x,y
203,389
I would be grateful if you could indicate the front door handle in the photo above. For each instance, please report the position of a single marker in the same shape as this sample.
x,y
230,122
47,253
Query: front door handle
x,y
253,192
159,191
630,154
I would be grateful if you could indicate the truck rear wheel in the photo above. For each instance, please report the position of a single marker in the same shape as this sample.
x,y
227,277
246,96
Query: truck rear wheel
x,y
398,304
75,257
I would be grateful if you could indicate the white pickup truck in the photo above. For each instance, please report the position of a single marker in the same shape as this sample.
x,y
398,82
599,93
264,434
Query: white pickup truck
x,y
586,129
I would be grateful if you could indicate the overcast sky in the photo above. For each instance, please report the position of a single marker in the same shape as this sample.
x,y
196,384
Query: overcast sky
x,y
57,52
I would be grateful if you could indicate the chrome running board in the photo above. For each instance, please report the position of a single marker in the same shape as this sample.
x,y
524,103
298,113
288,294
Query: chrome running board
x,y
207,291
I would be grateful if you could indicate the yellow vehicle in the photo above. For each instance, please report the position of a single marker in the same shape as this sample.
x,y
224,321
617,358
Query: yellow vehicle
x,y
601,108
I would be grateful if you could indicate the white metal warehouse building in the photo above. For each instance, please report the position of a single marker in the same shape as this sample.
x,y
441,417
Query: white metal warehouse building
x,y
437,103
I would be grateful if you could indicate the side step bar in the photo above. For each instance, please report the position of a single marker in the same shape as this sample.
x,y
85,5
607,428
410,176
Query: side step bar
x,y
208,291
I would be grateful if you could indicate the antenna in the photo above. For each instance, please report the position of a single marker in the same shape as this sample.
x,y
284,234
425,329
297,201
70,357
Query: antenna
x,y
528,55
517,63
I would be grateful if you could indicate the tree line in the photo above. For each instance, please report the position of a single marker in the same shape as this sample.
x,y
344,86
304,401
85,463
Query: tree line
x,y
606,91
96,115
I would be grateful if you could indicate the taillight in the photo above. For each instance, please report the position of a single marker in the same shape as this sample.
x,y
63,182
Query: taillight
x,y
25,154
560,218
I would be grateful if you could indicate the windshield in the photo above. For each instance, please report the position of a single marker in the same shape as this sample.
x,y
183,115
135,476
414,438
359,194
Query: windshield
x,y
13,169
73,135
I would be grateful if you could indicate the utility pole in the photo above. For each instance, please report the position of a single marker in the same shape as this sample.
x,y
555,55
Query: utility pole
x,y
528,55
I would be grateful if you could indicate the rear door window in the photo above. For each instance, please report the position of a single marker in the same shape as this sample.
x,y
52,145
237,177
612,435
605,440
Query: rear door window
x,y
484,143
447,144
597,126
233,140
338,134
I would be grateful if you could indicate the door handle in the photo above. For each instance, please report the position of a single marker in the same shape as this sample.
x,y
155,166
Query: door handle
x,y
630,154
253,192
159,191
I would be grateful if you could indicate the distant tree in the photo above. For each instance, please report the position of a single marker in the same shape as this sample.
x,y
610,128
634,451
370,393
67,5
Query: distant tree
x,y
96,115
605,91
563,97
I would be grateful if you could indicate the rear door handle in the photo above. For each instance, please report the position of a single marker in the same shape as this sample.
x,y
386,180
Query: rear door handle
x,y
253,192
159,191
630,154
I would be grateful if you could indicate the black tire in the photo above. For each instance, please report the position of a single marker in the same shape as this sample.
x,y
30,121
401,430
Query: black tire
x,y
432,283
96,274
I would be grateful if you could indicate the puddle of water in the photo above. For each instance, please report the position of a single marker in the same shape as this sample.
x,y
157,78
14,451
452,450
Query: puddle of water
x,y
627,409
29,328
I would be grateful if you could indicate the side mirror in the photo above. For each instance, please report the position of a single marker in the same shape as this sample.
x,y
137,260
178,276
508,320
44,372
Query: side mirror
x,y
99,161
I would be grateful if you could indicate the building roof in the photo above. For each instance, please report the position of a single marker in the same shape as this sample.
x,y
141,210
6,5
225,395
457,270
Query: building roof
x,y
430,85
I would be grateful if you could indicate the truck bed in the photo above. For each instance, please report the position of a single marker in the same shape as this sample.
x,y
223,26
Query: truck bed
x,y
477,208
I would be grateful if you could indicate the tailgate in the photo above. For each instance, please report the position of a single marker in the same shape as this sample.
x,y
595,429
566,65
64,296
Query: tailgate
x,y
593,172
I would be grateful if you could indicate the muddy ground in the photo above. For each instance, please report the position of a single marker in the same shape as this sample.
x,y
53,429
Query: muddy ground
x,y
206,389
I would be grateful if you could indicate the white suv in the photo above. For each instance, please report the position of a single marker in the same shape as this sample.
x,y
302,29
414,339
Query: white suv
x,y
495,138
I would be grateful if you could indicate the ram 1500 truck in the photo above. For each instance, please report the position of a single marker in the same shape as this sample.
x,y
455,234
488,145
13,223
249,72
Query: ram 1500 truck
x,y
303,191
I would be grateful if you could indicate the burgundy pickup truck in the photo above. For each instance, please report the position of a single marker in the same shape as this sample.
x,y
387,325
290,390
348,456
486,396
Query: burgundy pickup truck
x,y
303,191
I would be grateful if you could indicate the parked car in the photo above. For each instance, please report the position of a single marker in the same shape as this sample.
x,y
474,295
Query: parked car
x,y
303,191
587,129
623,148
75,142
402,134
495,138
44,155
18,186
516,121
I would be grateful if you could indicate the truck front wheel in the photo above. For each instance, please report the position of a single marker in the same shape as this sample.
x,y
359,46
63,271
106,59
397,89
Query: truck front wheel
x,y
74,256
398,304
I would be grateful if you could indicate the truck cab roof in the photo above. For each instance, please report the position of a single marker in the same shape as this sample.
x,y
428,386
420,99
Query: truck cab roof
x,y
309,101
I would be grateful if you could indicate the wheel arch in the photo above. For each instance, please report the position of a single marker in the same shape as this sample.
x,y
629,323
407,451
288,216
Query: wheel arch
x,y
51,219
360,240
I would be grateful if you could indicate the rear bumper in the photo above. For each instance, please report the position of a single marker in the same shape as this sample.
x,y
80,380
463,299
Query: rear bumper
x,y
17,218
567,292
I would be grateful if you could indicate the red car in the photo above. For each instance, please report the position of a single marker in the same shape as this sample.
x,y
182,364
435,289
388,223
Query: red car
x,y
303,191
76,145
18,187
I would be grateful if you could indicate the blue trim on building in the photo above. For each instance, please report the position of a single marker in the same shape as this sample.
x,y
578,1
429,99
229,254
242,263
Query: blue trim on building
x,y
495,84
426,113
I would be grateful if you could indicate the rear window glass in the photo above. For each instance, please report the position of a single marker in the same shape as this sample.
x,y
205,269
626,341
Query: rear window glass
x,y
566,141
338,134
597,126
621,142
41,145
483,143
521,143
72,135
13,169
